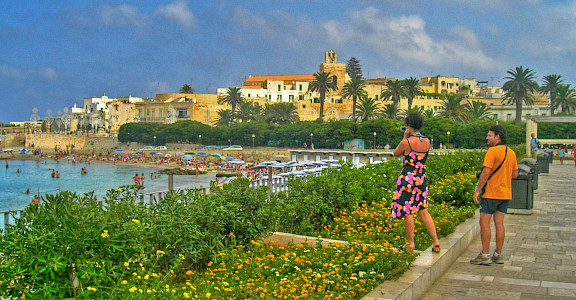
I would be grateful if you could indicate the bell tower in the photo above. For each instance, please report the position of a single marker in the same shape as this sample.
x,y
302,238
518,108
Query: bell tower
x,y
336,70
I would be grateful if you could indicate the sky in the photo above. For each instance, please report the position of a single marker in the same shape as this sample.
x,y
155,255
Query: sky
x,y
55,53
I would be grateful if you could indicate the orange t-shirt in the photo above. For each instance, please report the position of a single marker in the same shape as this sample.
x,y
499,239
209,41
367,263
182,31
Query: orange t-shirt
x,y
499,186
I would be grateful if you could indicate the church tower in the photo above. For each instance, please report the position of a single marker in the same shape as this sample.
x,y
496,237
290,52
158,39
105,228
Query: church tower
x,y
336,70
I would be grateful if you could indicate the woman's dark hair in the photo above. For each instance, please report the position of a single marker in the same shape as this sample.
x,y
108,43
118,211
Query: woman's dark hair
x,y
414,120
500,131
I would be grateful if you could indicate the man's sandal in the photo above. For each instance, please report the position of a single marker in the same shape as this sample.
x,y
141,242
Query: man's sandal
x,y
436,248
406,248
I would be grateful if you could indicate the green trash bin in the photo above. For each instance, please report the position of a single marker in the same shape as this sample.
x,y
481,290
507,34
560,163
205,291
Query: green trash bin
x,y
542,162
550,155
533,164
522,192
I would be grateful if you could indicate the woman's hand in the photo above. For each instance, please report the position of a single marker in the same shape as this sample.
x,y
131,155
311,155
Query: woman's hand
x,y
407,133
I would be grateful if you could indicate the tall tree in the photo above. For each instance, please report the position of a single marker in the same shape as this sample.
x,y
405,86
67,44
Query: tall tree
x,y
233,98
390,111
452,107
281,113
551,82
565,98
186,89
248,111
476,110
368,109
355,88
519,88
412,89
324,83
225,117
354,69
394,92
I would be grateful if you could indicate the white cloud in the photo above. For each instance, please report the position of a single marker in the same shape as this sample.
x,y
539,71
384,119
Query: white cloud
x,y
179,12
18,74
121,16
404,40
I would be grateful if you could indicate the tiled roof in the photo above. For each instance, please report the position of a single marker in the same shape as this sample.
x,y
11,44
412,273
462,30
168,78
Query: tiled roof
x,y
258,79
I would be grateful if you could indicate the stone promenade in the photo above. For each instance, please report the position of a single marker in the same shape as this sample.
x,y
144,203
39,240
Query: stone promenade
x,y
539,252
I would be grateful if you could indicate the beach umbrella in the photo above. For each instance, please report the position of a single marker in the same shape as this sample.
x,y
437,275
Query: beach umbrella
x,y
23,150
125,155
139,152
187,157
119,150
189,153
179,153
229,158
202,153
237,162
216,155
167,155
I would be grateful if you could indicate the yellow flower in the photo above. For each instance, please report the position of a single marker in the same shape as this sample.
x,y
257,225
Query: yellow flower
x,y
91,289
124,282
160,252
148,291
186,295
135,221
146,277
126,264
208,295
105,234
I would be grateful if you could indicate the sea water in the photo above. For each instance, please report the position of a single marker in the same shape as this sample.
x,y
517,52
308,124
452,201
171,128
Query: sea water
x,y
36,176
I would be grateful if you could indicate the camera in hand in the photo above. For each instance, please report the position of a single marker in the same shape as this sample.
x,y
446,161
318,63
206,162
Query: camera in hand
x,y
403,128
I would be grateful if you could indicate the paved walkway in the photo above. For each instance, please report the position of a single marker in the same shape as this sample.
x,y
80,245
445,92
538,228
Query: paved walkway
x,y
539,251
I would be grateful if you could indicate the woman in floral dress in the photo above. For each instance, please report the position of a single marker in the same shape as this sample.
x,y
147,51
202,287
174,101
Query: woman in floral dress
x,y
411,192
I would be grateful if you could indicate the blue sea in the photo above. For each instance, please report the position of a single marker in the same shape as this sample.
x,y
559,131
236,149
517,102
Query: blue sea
x,y
101,177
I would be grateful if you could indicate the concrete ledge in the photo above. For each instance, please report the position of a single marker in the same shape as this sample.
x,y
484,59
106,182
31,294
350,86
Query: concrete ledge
x,y
283,239
428,266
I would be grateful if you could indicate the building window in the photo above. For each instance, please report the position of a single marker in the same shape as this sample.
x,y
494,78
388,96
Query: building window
x,y
182,112
279,87
248,95
147,112
300,88
376,97
291,98
160,114
269,97
508,117
304,106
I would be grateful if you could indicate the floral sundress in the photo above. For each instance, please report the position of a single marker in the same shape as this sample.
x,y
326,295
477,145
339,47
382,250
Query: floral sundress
x,y
412,186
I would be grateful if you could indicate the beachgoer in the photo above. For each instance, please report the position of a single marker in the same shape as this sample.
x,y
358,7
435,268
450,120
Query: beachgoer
x,y
6,163
27,191
35,200
18,170
561,155
142,180
534,144
57,174
411,192
498,170
151,176
53,173
574,154
136,179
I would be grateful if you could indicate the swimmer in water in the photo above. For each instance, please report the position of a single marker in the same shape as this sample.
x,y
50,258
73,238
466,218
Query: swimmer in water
x,y
27,191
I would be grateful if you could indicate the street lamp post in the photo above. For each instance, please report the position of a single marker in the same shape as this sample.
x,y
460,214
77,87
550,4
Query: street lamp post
x,y
154,140
200,139
374,143
253,136
448,133
311,140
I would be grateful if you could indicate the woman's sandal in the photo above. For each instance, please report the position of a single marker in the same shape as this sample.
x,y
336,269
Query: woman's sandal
x,y
406,248
436,248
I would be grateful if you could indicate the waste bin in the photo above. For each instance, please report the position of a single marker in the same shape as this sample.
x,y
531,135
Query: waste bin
x,y
542,163
522,192
534,169
550,155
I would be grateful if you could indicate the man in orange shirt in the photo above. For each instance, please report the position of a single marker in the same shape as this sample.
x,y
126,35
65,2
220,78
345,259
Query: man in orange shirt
x,y
499,168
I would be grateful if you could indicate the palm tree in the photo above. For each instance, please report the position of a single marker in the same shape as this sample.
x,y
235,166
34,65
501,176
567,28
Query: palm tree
x,y
521,83
551,82
389,111
412,89
281,113
323,84
186,89
565,98
394,92
225,117
476,110
233,98
248,111
354,88
368,109
452,107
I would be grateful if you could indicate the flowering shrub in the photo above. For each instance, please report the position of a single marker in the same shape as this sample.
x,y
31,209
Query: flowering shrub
x,y
457,189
